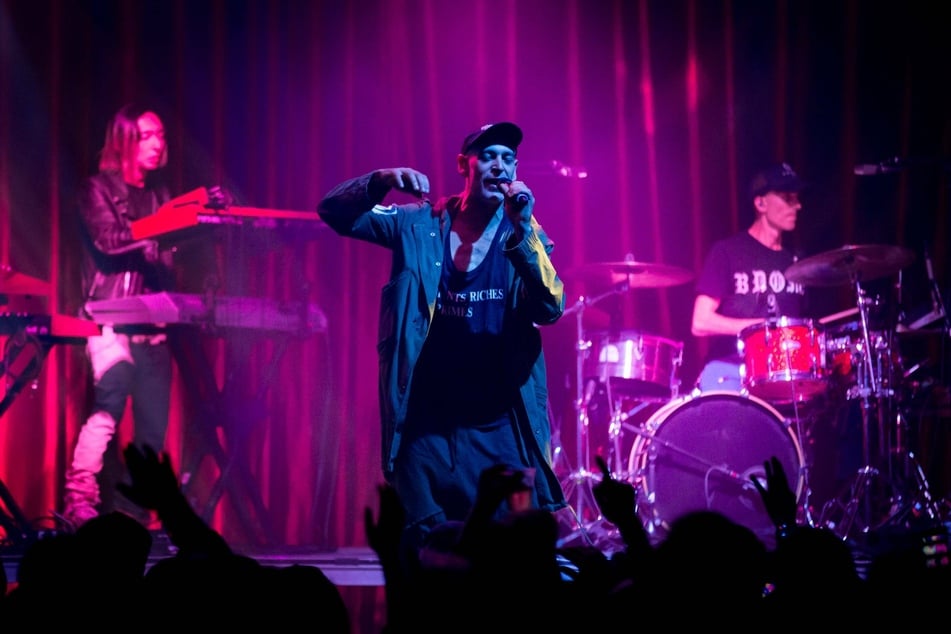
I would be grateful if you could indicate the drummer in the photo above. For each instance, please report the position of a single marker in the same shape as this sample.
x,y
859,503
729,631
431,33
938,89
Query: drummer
x,y
742,282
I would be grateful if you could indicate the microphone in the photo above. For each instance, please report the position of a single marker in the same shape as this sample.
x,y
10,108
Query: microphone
x,y
884,167
521,199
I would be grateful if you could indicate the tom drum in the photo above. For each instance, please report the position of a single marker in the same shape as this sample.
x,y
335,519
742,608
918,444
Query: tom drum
x,y
636,364
783,360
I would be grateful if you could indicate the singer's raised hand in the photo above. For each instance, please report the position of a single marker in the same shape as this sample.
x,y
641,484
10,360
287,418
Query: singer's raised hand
x,y
404,179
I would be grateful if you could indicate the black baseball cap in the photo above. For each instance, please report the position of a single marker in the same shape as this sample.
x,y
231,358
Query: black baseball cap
x,y
504,133
775,178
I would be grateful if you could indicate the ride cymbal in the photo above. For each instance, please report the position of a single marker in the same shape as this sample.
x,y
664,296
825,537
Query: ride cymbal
x,y
850,263
633,274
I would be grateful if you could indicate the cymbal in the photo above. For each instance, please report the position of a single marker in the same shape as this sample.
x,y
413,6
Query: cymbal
x,y
850,263
631,273
903,331
13,283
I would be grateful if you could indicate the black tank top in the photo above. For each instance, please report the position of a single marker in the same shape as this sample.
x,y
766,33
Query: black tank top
x,y
460,376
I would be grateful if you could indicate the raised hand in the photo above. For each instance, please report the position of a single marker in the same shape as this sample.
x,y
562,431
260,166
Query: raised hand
x,y
404,179
499,483
219,197
383,534
617,500
155,486
153,480
778,498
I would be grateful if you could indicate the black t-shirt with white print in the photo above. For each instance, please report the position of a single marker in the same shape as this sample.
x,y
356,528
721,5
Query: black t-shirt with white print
x,y
748,278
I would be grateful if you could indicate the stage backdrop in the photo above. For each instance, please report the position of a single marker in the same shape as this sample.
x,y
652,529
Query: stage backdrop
x,y
643,122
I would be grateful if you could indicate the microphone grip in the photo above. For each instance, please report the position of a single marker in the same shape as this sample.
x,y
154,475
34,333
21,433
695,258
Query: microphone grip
x,y
521,199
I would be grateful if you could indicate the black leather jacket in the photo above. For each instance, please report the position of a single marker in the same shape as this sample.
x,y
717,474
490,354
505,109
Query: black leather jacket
x,y
114,265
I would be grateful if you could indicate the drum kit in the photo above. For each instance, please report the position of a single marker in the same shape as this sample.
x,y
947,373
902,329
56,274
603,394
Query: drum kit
x,y
699,450
621,370
890,488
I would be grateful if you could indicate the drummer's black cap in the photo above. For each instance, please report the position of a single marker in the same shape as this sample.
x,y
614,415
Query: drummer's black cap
x,y
504,133
775,178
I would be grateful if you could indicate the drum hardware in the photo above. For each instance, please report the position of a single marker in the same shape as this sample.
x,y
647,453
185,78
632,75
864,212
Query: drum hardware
x,y
618,425
629,364
862,502
577,484
892,466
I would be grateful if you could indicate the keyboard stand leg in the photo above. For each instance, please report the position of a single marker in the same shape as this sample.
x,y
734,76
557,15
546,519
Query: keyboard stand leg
x,y
17,369
235,416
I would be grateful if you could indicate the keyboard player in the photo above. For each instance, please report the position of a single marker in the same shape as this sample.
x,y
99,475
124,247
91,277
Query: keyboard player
x,y
126,363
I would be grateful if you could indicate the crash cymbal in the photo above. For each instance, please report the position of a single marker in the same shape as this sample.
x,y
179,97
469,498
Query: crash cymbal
x,y
633,274
850,263
13,283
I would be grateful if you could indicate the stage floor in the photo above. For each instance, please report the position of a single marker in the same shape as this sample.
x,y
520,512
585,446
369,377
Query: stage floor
x,y
352,566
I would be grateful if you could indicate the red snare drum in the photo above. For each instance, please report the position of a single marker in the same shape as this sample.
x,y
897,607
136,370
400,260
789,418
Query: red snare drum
x,y
783,360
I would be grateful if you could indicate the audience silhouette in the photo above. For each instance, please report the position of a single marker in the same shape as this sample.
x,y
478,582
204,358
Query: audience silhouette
x,y
101,571
500,570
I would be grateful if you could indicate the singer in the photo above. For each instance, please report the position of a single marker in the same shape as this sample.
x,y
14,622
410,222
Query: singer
x,y
462,379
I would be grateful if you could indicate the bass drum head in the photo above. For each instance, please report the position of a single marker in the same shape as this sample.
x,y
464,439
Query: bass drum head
x,y
698,453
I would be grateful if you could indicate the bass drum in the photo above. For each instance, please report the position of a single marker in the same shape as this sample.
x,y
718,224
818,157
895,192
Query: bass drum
x,y
698,453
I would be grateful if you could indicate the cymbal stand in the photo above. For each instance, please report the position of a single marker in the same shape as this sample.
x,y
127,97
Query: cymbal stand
x,y
577,484
878,394
869,385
